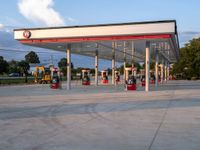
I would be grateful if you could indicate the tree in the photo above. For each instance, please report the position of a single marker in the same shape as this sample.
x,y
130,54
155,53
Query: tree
x,y
92,71
62,64
24,66
109,71
13,67
189,62
32,57
3,65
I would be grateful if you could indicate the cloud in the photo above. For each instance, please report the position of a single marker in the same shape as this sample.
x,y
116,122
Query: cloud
x,y
69,19
7,29
1,26
40,12
186,36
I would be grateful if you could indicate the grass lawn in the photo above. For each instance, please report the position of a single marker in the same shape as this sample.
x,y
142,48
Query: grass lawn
x,y
15,80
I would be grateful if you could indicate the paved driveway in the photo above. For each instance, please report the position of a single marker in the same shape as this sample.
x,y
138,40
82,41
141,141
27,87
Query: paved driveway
x,y
35,117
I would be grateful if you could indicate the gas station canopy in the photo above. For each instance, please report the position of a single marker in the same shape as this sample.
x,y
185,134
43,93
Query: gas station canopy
x,y
128,40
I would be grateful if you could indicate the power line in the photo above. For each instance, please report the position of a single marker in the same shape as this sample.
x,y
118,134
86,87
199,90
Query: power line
x,y
22,51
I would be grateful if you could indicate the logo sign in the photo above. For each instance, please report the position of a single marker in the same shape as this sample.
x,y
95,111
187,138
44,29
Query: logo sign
x,y
27,34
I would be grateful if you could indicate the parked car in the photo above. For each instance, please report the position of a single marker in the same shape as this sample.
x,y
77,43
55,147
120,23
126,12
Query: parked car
x,y
14,75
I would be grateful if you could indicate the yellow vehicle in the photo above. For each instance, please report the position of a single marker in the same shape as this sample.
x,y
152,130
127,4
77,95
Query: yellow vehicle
x,y
42,75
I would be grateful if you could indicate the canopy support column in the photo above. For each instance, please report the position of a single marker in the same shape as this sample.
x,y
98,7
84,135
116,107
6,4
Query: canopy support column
x,y
166,71
124,62
162,71
132,58
168,68
113,62
68,67
147,66
96,66
156,69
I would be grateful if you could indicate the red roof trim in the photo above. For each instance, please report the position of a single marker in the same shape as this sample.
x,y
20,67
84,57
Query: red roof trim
x,y
93,39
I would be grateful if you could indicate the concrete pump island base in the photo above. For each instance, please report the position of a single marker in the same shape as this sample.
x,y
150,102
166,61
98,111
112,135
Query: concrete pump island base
x,y
103,118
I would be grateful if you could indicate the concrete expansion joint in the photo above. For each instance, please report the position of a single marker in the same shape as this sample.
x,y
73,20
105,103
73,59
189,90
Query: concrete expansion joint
x,y
171,95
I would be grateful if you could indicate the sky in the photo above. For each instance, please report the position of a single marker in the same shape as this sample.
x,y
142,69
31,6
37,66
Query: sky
x,y
43,13
37,13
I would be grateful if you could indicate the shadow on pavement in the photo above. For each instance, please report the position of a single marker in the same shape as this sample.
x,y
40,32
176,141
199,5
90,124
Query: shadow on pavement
x,y
73,109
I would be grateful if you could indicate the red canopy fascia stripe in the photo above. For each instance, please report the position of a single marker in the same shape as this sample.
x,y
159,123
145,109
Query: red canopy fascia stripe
x,y
93,39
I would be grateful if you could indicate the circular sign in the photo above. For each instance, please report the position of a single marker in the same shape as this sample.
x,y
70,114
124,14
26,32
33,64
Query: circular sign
x,y
27,34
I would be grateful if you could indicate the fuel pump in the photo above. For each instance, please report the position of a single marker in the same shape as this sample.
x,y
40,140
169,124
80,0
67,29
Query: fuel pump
x,y
104,77
85,77
152,78
55,78
117,76
130,80
143,80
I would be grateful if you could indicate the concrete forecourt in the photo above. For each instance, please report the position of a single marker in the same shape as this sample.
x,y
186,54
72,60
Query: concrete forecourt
x,y
35,117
